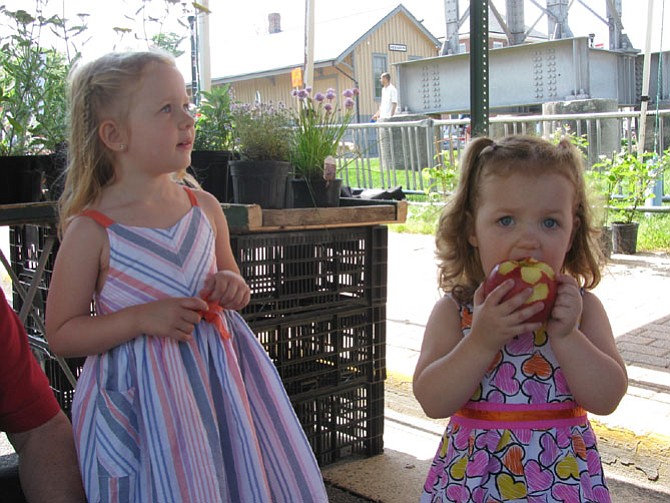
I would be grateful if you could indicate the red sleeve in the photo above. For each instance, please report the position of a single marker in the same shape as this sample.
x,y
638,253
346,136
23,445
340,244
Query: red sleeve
x,y
26,400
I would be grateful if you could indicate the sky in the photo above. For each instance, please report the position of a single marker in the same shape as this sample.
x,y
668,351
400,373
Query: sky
x,y
232,20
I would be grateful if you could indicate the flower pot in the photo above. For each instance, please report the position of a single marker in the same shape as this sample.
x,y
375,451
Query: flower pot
x,y
260,182
605,241
210,169
23,178
624,237
316,192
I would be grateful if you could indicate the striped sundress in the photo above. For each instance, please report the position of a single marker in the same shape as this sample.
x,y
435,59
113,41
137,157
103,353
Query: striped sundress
x,y
204,421
521,437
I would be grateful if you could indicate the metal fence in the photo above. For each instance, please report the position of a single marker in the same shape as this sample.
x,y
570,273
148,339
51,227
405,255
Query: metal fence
x,y
385,155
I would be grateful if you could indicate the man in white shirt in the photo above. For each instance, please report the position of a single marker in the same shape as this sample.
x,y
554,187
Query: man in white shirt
x,y
389,102
387,109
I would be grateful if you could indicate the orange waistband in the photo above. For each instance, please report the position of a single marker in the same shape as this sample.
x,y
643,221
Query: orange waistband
x,y
525,415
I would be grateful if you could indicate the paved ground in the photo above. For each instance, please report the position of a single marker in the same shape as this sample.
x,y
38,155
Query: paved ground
x,y
634,441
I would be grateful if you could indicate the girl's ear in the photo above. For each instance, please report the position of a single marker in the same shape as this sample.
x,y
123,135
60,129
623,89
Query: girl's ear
x,y
112,136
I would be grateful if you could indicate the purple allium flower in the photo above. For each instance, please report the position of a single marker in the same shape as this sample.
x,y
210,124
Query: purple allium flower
x,y
357,91
294,93
349,103
328,107
319,97
348,93
308,89
302,94
330,93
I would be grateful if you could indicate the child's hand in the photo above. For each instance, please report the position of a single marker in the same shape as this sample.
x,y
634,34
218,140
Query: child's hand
x,y
567,309
174,317
496,321
228,289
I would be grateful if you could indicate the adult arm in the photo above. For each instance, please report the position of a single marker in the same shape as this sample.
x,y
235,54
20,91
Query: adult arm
x,y
48,466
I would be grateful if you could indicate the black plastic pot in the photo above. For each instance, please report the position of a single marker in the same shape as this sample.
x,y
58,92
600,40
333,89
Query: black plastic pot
x,y
260,182
316,192
210,169
624,237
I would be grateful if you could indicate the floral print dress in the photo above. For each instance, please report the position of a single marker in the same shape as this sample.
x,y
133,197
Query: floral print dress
x,y
521,437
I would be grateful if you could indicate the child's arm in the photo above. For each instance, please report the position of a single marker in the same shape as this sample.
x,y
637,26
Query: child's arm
x,y
588,356
81,263
227,286
451,366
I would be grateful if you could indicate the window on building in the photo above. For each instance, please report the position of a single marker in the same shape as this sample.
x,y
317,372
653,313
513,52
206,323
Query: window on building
x,y
379,66
462,48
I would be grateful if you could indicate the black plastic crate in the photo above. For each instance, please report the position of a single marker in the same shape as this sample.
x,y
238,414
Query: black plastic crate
x,y
26,243
299,271
62,388
344,422
328,349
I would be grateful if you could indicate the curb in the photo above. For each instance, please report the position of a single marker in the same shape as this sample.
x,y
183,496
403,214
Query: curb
x,y
635,455
622,450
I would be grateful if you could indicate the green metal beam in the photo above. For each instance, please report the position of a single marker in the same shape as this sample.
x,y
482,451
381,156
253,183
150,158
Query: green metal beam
x,y
479,67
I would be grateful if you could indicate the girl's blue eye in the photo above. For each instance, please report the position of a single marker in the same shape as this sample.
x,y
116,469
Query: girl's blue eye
x,y
506,221
550,223
167,109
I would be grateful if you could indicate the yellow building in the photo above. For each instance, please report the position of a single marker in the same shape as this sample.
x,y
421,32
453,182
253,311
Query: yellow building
x,y
350,51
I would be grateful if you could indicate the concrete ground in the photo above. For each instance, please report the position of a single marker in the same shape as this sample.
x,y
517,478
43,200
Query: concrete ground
x,y
634,440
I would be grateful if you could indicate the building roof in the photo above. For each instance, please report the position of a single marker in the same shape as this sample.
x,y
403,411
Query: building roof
x,y
278,53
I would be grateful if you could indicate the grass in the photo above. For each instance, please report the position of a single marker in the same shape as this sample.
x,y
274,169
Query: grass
x,y
653,234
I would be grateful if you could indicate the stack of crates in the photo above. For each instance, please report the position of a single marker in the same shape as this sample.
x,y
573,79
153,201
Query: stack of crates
x,y
26,246
318,306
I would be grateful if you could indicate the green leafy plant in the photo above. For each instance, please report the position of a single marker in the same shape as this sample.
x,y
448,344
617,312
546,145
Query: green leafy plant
x,y
262,131
627,179
441,179
214,120
33,80
320,127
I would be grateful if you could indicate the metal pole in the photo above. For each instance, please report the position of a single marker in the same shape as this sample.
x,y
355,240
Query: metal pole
x,y
645,82
195,92
203,47
479,67
308,80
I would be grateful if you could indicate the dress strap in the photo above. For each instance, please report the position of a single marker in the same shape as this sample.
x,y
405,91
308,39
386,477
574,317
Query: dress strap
x,y
191,196
103,220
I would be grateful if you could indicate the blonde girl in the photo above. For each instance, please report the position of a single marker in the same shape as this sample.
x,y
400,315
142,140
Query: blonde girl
x,y
177,400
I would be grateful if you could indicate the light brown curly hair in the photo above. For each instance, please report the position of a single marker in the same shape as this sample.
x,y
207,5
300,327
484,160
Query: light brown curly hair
x,y
460,269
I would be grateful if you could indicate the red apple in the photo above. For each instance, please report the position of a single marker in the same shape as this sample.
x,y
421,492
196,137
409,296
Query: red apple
x,y
526,273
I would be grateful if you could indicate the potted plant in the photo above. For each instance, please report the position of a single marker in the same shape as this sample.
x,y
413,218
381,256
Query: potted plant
x,y
213,145
627,179
262,134
33,97
320,127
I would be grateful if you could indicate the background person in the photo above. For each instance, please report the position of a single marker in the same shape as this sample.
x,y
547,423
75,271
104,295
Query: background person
x,y
389,100
177,399
517,391
387,109
33,420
